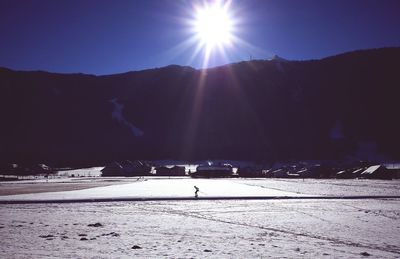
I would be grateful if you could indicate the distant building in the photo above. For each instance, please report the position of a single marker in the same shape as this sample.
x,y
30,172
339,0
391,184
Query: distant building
x,y
127,168
40,169
285,173
376,172
112,169
316,171
350,173
394,172
211,170
9,169
15,169
251,172
170,171
279,173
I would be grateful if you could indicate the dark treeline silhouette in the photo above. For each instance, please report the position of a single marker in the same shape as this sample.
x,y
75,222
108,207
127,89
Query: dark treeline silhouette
x,y
260,110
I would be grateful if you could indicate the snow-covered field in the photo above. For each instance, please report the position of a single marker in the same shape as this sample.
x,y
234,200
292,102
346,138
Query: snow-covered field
x,y
202,229
183,187
208,229
160,188
329,187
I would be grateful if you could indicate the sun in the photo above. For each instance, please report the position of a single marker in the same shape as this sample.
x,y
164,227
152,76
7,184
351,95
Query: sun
x,y
213,25
214,30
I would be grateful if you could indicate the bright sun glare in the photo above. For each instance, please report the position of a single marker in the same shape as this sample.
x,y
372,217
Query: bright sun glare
x,y
214,28
213,25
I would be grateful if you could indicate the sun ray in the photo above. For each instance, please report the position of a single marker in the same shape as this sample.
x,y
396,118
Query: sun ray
x,y
195,53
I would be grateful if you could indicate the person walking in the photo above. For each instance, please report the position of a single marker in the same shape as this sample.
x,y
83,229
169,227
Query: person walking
x,y
196,191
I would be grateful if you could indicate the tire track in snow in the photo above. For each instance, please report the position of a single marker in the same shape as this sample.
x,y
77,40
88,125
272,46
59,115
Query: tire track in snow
x,y
395,250
276,189
376,213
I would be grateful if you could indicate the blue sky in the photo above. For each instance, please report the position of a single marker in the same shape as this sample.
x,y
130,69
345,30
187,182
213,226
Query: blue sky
x,y
114,36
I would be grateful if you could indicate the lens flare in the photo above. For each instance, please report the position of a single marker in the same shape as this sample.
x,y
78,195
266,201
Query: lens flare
x,y
213,25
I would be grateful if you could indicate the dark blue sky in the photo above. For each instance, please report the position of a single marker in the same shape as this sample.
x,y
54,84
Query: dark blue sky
x,y
105,37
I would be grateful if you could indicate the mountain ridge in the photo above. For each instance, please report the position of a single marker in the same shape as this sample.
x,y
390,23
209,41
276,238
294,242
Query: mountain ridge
x,y
274,58
252,110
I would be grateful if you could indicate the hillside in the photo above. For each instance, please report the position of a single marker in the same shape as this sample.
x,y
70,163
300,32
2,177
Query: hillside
x,y
340,106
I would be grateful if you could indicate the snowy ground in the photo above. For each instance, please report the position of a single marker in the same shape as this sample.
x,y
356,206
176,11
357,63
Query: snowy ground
x,y
59,184
207,229
182,187
160,188
329,187
202,229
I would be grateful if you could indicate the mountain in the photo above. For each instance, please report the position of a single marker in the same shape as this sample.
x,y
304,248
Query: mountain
x,y
278,58
340,106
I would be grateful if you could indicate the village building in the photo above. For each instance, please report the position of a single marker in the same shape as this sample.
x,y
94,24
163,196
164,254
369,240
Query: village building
x,y
211,170
127,168
251,172
376,172
170,171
